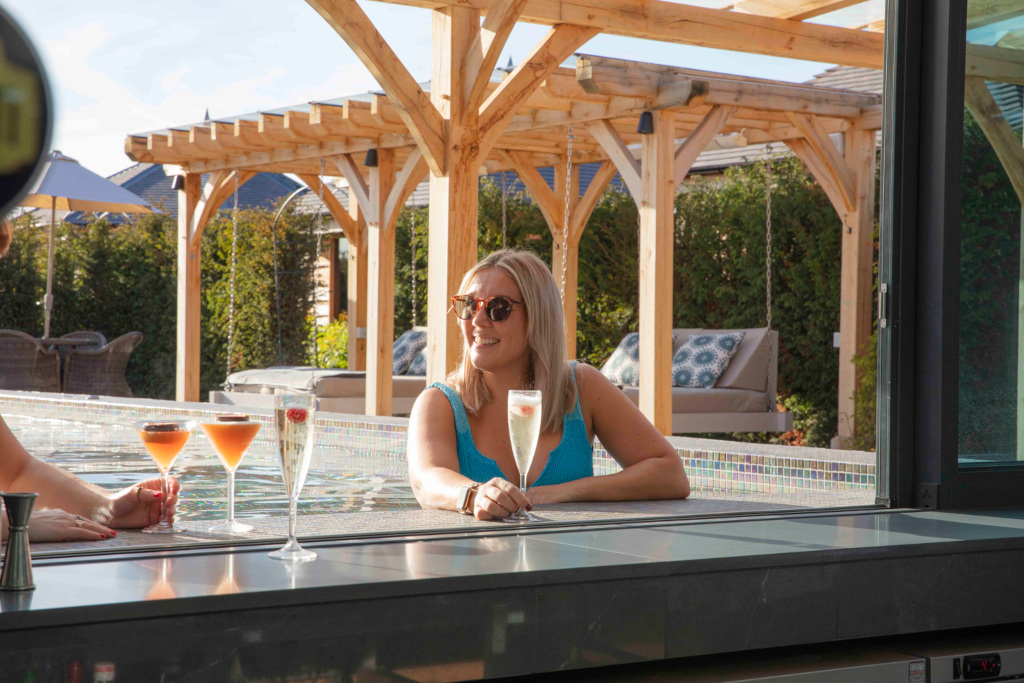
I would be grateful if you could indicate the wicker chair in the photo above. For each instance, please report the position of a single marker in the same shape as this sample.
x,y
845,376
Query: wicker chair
x,y
98,341
101,371
27,365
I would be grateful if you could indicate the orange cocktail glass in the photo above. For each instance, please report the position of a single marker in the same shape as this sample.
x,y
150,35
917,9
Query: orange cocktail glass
x,y
164,440
231,436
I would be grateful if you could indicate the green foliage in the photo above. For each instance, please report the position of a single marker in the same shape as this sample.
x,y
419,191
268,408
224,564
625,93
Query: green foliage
x,y
255,318
332,344
119,279
865,397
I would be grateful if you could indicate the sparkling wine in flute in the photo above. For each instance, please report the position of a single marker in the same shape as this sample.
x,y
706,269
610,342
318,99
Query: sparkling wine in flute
x,y
524,411
294,417
295,446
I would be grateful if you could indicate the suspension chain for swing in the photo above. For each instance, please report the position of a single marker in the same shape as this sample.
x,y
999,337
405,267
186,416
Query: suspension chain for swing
x,y
234,260
504,213
568,195
316,257
768,268
413,266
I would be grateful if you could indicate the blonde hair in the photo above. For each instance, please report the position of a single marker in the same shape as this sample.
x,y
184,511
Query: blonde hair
x,y
6,235
545,337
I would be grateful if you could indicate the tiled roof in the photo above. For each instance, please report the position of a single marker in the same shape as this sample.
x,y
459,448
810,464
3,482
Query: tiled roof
x,y
148,181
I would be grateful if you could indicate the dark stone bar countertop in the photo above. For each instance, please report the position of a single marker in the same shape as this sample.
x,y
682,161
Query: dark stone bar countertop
x,y
500,600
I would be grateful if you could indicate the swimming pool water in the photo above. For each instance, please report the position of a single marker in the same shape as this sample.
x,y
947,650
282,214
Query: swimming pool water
x,y
112,456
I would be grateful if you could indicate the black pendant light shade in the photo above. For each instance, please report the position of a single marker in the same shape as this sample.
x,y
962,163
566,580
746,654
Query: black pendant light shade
x,y
646,124
371,158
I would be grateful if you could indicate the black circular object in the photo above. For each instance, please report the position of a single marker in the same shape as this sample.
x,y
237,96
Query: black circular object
x,y
26,113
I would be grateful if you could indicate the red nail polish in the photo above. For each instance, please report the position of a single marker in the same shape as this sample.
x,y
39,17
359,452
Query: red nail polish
x,y
103,535
113,533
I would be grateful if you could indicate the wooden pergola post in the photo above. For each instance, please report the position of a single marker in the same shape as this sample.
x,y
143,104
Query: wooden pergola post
x,y
454,193
379,200
657,228
848,179
189,304
380,292
196,206
357,269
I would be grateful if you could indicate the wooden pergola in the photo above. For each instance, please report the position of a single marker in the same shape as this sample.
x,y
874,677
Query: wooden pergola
x,y
467,124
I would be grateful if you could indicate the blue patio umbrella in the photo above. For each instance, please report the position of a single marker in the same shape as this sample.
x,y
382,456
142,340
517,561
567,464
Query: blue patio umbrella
x,y
67,185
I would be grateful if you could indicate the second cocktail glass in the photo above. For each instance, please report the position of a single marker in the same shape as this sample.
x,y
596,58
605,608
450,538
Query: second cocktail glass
x,y
231,436
164,440
524,412
294,415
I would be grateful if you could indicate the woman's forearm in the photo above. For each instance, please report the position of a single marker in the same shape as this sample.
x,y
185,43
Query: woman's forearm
x,y
437,488
660,478
58,488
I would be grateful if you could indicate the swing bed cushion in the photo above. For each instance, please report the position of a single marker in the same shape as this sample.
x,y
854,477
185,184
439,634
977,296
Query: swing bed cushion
x,y
739,400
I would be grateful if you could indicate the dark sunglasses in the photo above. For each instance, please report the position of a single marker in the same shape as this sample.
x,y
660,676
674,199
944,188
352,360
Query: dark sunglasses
x,y
497,308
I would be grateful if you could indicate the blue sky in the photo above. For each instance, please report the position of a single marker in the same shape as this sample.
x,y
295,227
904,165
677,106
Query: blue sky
x,y
121,67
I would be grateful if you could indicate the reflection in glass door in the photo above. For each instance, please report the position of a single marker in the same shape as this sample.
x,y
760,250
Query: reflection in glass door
x,y
991,369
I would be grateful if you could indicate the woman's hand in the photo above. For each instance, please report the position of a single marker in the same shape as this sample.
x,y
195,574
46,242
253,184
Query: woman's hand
x,y
141,505
46,526
497,499
545,495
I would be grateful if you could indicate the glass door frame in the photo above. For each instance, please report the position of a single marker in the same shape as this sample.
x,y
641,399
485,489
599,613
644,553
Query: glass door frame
x,y
920,267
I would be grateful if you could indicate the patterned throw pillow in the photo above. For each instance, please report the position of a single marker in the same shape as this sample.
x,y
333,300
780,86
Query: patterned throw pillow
x,y
623,367
406,347
702,359
418,366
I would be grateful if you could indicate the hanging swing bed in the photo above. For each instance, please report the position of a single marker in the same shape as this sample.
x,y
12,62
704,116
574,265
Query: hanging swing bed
x,y
336,390
723,381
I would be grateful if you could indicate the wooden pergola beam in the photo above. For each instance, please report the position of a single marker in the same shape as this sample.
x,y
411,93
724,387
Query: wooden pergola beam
x,y
483,54
797,10
542,194
690,149
1000,134
560,42
843,177
338,212
1000,64
622,78
619,154
672,22
985,12
415,107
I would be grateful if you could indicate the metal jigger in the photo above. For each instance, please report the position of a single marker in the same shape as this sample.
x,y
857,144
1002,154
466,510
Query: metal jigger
x,y
17,571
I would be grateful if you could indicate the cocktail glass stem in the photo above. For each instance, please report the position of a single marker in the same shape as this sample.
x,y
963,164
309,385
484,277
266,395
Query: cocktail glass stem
x,y
293,509
231,496
167,492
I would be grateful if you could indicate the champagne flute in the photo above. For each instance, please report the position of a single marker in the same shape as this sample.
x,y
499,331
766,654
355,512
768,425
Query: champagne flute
x,y
294,415
164,440
231,436
524,410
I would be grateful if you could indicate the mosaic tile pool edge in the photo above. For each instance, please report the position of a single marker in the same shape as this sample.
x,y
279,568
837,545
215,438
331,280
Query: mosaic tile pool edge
x,y
380,443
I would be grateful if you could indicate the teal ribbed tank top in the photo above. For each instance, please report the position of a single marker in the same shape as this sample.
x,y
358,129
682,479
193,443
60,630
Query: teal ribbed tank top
x,y
572,459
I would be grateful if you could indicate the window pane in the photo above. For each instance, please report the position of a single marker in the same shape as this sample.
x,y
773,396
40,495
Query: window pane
x,y
991,364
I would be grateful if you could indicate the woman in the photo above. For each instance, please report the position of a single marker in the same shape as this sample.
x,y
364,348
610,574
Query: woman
x,y
460,454
68,508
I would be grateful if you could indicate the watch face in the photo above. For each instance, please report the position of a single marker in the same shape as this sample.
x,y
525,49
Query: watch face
x,y
464,498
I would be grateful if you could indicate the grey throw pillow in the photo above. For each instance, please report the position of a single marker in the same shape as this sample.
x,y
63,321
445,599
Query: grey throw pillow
x,y
702,359
418,366
406,347
623,367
